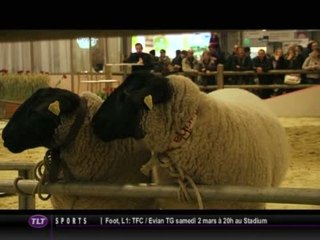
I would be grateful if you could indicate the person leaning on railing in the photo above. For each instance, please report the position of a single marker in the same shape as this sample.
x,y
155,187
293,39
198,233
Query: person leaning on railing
x,y
241,62
313,63
165,66
177,61
292,62
190,64
206,65
278,63
263,64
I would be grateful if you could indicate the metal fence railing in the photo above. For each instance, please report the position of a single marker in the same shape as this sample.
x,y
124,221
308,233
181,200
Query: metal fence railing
x,y
25,171
231,193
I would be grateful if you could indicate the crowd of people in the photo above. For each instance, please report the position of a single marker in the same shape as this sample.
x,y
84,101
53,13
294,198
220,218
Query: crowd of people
x,y
296,57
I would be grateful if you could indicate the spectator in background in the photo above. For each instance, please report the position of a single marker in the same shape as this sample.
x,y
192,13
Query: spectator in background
x,y
183,54
207,65
229,61
141,58
262,64
163,57
247,51
291,62
313,63
314,45
278,63
311,45
214,39
235,49
155,60
153,56
291,59
241,62
216,53
190,64
165,63
177,61
299,53
97,59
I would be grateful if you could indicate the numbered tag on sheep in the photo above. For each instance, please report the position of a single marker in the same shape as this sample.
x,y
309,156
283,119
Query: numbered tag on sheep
x,y
54,108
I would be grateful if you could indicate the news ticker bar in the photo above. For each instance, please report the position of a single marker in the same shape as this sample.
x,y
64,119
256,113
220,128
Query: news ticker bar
x,y
182,220
137,220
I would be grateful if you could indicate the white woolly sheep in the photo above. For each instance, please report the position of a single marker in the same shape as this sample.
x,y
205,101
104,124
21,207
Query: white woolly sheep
x,y
45,119
228,137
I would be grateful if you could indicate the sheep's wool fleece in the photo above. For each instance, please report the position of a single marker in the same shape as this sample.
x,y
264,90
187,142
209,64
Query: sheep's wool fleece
x,y
91,160
235,139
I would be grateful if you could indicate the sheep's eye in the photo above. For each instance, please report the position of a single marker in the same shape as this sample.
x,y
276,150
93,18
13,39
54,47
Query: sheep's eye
x,y
32,111
126,92
123,95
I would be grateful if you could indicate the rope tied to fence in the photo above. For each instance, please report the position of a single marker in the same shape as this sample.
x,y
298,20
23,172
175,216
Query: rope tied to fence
x,y
16,187
46,171
41,174
181,136
183,179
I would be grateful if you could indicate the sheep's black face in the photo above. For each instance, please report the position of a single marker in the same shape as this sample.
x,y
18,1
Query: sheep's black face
x,y
120,115
33,125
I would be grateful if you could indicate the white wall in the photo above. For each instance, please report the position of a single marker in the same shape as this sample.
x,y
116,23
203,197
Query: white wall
x,y
302,103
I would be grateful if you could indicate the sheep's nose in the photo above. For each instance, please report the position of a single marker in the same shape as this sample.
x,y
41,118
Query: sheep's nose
x,y
7,135
4,135
5,139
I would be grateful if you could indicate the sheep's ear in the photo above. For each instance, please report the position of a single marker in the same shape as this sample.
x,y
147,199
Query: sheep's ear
x,y
147,90
148,101
159,91
54,107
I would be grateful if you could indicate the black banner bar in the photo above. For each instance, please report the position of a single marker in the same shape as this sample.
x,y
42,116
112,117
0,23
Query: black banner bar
x,y
78,225
158,220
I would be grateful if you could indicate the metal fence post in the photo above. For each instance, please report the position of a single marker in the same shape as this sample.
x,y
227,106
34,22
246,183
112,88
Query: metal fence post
x,y
26,201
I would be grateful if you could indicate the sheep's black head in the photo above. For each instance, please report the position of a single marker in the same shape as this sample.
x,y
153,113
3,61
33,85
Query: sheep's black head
x,y
33,124
120,115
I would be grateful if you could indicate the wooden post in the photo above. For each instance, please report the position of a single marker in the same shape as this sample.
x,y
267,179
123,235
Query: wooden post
x,y
126,50
109,71
106,56
108,74
72,67
220,80
32,57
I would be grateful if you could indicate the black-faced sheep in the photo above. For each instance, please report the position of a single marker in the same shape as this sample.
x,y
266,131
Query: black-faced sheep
x,y
224,138
46,118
